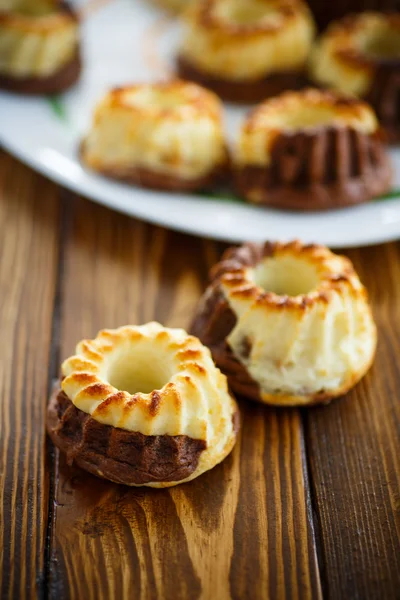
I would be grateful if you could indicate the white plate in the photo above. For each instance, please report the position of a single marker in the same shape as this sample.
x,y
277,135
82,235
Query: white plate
x,y
127,41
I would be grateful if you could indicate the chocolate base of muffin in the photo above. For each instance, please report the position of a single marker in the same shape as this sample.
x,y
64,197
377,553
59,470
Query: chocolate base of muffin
x,y
160,181
319,170
384,97
121,456
212,326
243,92
51,84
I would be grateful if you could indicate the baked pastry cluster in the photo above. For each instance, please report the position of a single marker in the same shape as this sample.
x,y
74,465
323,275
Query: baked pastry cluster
x,y
39,46
360,55
289,324
143,406
311,150
162,135
246,50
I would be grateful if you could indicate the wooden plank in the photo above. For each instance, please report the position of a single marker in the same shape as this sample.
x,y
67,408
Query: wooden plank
x,y
243,529
29,218
354,455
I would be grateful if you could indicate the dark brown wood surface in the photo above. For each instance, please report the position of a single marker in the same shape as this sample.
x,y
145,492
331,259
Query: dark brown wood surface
x,y
306,506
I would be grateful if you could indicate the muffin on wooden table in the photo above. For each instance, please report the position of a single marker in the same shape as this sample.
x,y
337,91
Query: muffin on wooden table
x,y
143,405
39,47
311,150
166,136
360,55
246,50
289,324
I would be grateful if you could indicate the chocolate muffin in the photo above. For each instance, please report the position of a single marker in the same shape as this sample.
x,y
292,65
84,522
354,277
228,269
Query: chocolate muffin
x,y
289,324
311,150
360,55
246,50
143,406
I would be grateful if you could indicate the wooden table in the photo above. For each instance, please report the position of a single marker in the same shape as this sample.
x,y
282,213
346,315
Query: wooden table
x,y
306,506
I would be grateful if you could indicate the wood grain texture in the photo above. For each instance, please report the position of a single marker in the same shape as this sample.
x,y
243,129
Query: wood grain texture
x,y
240,531
244,529
28,261
354,455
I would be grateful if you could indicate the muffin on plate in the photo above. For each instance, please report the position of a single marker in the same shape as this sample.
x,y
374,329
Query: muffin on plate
x,y
143,406
311,150
360,55
39,47
246,50
288,324
166,136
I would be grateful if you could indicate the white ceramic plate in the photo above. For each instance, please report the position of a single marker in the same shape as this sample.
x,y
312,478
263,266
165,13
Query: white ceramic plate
x,y
131,40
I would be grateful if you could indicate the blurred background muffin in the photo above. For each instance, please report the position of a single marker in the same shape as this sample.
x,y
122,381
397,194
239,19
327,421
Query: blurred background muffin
x,y
311,150
360,55
165,135
39,46
247,50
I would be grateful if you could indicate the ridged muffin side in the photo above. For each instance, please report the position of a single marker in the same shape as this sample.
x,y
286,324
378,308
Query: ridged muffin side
x,y
311,150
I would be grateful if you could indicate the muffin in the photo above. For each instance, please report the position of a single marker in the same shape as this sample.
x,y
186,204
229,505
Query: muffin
x,y
143,406
289,324
246,50
39,47
326,12
165,136
311,150
360,55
